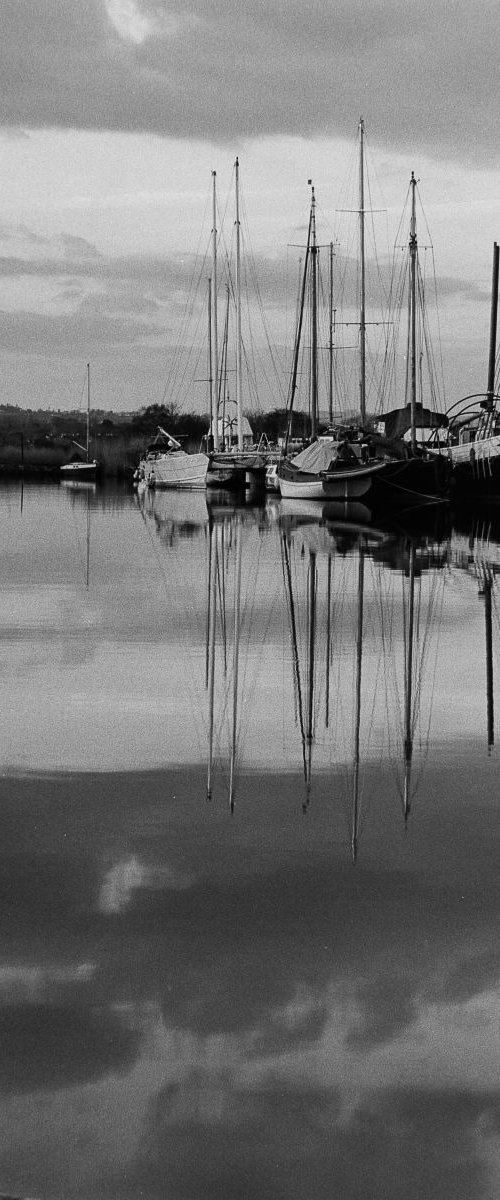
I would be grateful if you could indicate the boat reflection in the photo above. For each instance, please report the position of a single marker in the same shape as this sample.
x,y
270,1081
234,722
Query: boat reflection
x,y
175,514
365,605
476,550
318,643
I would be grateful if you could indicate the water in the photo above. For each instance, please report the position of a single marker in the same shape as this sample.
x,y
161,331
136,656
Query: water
x,y
249,852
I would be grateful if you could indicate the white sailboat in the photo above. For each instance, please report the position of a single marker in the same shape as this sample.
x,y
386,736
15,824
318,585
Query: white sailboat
x,y
166,465
234,462
82,469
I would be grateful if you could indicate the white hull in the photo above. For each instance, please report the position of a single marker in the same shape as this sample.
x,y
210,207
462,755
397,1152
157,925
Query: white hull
x,y
174,469
343,487
79,470
482,451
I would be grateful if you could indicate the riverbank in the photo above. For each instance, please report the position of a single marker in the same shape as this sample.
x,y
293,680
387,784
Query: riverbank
x,y
117,460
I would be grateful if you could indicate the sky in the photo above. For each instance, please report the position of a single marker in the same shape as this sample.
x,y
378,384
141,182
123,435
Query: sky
x,y
115,113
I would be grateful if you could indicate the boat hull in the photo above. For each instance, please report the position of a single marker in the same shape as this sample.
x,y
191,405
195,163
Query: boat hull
x,y
413,482
386,483
174,469
79,471
476,471
338,484
236,470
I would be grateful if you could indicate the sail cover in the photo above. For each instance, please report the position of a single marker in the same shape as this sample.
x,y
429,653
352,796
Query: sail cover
x,y
398,421
317,457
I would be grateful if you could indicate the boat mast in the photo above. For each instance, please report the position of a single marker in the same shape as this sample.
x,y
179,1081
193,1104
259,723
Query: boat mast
x,y
210,376
490,390
88,409
330,342
314,319
296,351
413,313
238,314
362,307
215,370
225,422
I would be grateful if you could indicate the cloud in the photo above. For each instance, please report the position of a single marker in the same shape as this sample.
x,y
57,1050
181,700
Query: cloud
x,y
225,70
123,879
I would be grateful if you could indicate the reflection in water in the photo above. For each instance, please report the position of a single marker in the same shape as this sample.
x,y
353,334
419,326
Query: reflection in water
x,y
402,624
200,1006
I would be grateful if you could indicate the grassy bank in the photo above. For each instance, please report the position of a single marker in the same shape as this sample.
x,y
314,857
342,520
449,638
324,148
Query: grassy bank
x,y
117,458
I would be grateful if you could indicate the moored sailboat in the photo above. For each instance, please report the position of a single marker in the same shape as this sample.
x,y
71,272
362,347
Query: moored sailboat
x,y
166,465
234,461
81,469
386,472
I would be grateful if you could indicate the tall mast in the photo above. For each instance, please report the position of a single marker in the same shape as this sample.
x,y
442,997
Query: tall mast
x,y
296,351
238,314
314,318
362,305
215,348
210,376
413,312
88,409
225,423
330,342
493,325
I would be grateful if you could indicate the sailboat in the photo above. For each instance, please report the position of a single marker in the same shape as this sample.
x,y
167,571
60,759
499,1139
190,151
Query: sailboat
x,y
234,460
82,469
384,471
166,465
474,427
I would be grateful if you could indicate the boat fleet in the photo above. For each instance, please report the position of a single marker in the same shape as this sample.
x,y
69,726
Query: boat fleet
x,y
407,457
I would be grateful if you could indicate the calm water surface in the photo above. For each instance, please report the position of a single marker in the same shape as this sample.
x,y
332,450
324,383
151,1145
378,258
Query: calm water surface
x,y
250,845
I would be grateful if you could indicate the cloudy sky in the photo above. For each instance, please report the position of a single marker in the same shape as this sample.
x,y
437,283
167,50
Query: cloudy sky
x,y
114,113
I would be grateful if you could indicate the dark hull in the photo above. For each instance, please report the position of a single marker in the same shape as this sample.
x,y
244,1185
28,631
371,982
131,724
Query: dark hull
x,y
387,484
476,482
235,471
412,482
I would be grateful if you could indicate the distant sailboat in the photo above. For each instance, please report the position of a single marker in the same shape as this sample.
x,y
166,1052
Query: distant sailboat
x,y
86,468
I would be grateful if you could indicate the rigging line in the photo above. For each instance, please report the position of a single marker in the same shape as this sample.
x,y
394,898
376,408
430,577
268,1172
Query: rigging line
x,y
249,258
179,350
